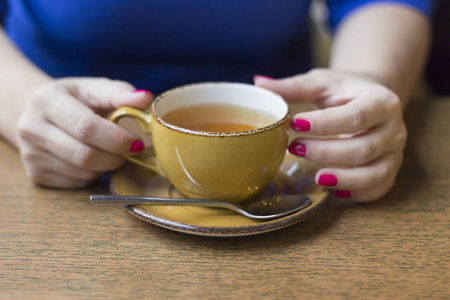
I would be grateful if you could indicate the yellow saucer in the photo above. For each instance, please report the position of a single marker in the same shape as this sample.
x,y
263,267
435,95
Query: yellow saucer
x,y
296,176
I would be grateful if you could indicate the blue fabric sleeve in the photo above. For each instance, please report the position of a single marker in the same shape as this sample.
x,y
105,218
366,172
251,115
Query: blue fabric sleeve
x,y
157,45
2,10
339,9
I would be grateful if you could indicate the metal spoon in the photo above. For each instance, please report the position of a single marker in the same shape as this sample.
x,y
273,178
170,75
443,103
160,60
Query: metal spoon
x,y
268,208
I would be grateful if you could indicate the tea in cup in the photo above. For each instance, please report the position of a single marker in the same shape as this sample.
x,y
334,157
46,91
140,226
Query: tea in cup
x,y
216,140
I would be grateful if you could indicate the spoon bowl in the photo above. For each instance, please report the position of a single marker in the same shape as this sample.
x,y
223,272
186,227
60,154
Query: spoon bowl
x,y
268,208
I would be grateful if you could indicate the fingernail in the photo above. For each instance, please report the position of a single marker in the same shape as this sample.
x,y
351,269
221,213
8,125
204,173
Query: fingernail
x,y
142,92
137,146
257,77
327,180
297,149
342,194
300,125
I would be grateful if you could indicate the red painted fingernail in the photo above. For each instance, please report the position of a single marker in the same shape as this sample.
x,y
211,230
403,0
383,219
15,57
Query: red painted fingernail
x,y
137,146
256,77
342,194
297,149
327,180
142,91
300,125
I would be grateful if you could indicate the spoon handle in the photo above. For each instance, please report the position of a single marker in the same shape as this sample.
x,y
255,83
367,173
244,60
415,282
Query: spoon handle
x,y
135,200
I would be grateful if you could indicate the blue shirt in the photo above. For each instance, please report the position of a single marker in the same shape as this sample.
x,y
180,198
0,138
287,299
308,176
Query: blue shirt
x,y
157,45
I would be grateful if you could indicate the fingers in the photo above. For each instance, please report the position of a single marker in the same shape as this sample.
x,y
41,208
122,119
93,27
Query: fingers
x,y
362,167
365,183
362,173
62,148
104,95
365,111
57,180
81,155
43,168
358,150
80,122
350,103
64,141
300,88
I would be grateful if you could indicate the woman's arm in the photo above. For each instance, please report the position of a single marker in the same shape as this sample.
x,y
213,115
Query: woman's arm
x,y
19,78
386,42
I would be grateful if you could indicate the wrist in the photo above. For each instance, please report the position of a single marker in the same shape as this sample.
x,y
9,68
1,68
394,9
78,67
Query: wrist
x,y
14,100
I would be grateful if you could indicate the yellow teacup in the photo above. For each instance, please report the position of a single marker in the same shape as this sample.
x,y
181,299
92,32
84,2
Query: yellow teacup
x,y
219,140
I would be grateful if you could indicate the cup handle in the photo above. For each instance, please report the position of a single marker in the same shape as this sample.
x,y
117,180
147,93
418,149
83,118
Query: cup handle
x,y
147,158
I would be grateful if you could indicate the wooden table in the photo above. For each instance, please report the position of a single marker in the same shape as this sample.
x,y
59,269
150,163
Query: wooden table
x,y
54,245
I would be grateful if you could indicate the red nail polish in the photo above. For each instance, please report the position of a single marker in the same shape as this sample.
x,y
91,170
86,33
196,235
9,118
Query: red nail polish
x,y
297,149
137,146
300,125
256,77
342,194
142,91
327,180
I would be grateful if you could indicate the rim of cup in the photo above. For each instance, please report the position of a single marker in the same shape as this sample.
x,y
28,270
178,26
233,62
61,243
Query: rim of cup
x,y
280,112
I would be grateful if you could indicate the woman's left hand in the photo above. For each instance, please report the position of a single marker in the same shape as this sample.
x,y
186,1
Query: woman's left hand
x,y
361,161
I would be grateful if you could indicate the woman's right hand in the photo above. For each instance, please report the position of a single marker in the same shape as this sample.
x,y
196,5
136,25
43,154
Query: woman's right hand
x,y
63,138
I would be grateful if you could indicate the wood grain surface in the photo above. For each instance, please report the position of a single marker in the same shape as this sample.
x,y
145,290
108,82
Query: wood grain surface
x,y
54,245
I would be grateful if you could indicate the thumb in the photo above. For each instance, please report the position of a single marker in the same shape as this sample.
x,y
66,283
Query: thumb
x,y
137,98
308,87
103,95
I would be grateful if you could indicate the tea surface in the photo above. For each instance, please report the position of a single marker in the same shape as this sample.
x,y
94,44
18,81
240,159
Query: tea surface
x,y
218,118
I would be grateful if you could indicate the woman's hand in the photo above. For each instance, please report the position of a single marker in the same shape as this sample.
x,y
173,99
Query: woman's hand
x,y
63,138
365,118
